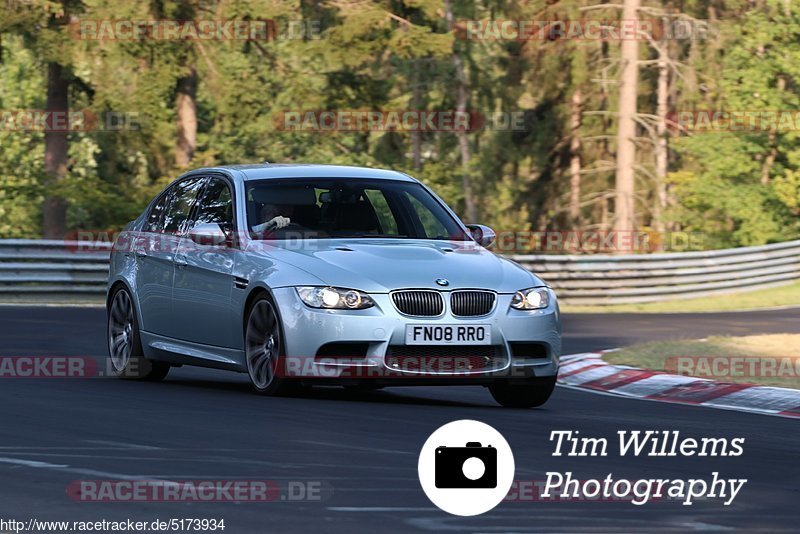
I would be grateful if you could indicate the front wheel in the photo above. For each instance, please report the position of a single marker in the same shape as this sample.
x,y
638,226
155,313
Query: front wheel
x,y
124,344
264,348
530,395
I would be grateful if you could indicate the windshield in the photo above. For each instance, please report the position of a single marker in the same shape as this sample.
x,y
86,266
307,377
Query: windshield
x,y
327,208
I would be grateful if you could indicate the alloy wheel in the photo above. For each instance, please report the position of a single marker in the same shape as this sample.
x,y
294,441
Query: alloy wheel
x,y
120,330
262,344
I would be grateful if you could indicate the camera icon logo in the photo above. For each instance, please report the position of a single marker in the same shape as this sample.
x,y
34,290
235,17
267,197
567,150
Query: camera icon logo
x,y
466,467
472,466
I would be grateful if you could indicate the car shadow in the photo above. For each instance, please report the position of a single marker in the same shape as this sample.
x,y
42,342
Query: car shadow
x,y
330,393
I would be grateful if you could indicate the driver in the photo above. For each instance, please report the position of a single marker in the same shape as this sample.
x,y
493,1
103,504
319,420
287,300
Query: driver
x,y
275,217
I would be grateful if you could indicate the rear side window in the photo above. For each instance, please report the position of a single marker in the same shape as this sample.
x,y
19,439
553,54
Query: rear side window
x,y
179,205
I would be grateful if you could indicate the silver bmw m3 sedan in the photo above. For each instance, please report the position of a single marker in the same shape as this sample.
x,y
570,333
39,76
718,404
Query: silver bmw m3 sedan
x,y
303,275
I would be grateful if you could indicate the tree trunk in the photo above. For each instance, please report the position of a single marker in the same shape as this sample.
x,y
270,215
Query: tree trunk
x,y
416,135
624,215
416,150
54,220
187,119
604,213
470,207
575,159
769,161
662,147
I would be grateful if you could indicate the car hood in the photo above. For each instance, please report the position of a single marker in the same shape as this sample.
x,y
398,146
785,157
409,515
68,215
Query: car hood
x,y
381,265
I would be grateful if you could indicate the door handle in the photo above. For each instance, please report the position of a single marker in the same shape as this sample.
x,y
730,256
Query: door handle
x,y
180,261
141,254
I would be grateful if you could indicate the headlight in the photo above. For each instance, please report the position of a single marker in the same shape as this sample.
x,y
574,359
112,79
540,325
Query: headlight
x,y
531,299
335,298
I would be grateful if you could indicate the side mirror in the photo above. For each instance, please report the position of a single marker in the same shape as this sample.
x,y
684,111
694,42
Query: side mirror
x,y
208,234
482,234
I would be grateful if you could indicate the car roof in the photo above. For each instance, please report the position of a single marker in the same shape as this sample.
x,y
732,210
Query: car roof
x,y
284,170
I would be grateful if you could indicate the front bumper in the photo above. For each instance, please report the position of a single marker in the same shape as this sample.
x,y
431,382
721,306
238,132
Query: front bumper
x,y
381,329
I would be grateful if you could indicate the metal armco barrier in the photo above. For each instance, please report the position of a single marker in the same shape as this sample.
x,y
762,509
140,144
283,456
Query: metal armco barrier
x,y
53,271
631,278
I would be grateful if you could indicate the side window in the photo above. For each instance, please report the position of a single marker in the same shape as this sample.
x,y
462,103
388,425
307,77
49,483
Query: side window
x,y
156,214
216,205
179,206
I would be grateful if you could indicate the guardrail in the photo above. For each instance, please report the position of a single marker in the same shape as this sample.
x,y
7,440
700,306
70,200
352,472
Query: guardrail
x,y
32,269
53,271
631,278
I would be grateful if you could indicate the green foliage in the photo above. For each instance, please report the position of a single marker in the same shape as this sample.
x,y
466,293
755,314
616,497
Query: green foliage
x,y
395,55
742,188
728,215
22,156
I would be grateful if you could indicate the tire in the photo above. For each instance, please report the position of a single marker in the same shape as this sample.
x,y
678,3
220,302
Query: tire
x,y
124,344
531,395
264,349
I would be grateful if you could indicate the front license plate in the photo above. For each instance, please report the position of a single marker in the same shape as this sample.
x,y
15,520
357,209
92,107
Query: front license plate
x,y
448,334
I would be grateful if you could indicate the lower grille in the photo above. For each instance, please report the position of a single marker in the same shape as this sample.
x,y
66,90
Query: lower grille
x,y
448,359
419,303
471,303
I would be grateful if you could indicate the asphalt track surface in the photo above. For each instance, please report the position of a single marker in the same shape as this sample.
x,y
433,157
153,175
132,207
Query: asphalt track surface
x,y
203,424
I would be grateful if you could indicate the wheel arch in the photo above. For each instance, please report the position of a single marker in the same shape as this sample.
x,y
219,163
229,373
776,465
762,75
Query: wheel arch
x,y
256,292
114,286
